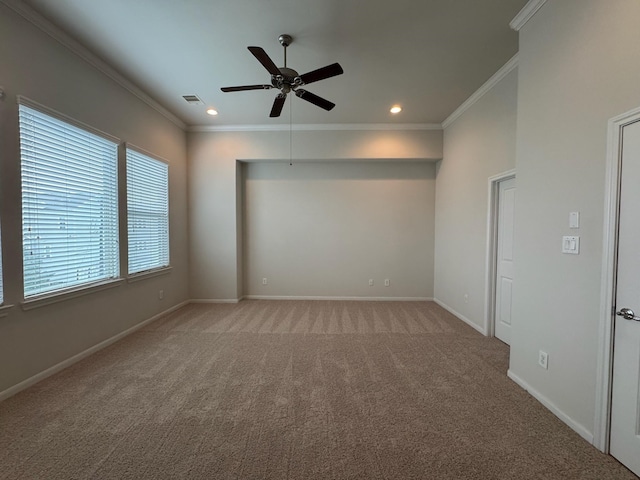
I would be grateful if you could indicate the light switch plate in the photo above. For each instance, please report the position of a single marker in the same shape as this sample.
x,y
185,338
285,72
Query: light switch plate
x,y
571,245
574,219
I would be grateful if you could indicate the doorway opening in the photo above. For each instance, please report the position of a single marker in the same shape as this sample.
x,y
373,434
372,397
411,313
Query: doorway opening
x,y
499,269
609,279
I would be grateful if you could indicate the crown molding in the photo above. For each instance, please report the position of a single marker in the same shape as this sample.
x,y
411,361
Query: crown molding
x,y
83,52
528,11
488,85
317,127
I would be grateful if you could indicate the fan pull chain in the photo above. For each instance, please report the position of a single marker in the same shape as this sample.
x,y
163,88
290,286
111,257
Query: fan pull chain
x,y
290,132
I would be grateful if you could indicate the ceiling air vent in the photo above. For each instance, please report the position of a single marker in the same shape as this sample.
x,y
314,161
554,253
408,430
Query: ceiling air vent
x,y
193,100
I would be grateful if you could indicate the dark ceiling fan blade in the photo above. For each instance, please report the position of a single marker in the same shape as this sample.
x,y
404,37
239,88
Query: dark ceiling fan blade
x,y
265,60
246,87
278,103
315,99
322,73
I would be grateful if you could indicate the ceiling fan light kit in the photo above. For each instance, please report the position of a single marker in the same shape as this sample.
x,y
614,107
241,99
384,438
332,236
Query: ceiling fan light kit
x,y
287,80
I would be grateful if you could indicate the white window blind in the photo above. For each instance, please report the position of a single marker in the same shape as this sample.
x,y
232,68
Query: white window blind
x,y
69,204
147,212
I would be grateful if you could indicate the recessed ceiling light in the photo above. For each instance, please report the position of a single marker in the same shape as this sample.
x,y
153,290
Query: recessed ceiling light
x,y
212,111
396,109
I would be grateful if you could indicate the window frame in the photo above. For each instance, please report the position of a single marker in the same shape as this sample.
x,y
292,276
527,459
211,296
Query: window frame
x,y
155,270
47,297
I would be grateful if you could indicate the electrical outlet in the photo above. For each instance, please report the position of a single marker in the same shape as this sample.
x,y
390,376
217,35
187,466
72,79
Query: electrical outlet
x,y
160,294
386,282
543,359
371,282
466,298
264,281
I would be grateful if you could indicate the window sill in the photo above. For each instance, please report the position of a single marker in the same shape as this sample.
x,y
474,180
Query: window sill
x,y
55,297
136,277
4,310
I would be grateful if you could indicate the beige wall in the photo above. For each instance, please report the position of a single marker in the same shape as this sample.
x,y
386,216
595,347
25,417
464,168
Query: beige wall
x,y
324,229
579,66
478,145
38,67
215,200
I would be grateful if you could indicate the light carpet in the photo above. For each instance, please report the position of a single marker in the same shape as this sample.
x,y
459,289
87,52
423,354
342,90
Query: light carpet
x,y
293,390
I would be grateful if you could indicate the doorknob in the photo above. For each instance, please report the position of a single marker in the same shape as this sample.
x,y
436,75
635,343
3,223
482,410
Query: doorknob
x,y
627,314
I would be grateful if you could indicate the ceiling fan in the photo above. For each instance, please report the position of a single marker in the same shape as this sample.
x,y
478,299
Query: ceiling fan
x,y
288,80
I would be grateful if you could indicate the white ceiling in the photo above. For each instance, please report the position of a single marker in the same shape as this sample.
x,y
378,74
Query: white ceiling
x,y
427,55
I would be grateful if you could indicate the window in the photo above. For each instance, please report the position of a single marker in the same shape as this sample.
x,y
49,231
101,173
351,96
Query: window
x,y
147,212
69,202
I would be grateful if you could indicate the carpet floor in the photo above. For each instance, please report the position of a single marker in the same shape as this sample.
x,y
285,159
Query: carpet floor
x,y
293,390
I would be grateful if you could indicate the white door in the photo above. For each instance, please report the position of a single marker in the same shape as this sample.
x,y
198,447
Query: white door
x,y
504,259
625,402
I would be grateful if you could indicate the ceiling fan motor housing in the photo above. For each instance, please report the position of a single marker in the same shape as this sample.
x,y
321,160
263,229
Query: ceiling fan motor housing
x,y
287,80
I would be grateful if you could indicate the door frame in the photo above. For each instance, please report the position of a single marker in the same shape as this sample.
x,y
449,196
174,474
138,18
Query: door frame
x,y
491,267
602,423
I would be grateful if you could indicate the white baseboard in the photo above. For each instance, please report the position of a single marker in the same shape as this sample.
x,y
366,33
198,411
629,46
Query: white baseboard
x,y
461,317
355,299
575,426
215,300
82,355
